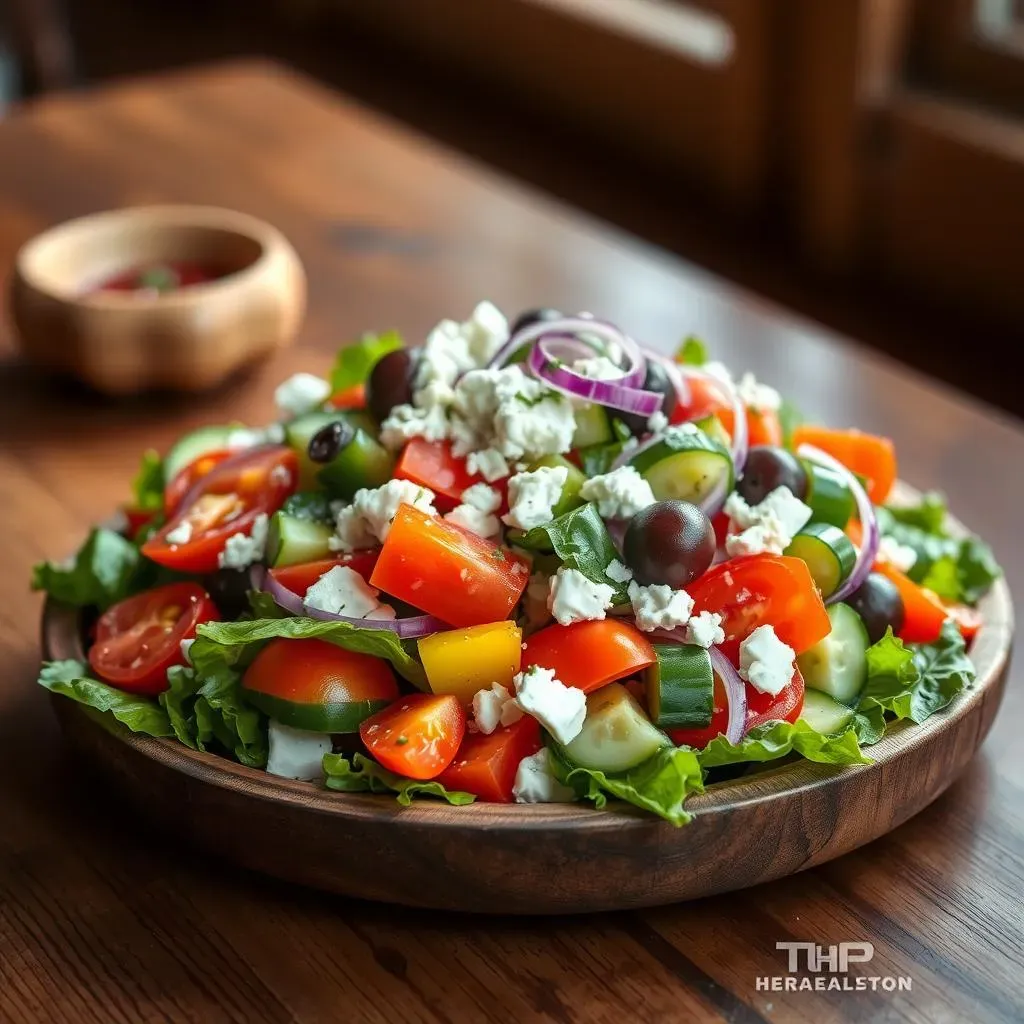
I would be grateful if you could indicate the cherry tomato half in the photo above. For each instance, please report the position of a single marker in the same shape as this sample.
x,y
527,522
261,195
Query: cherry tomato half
x,y
179,487
784,706
417,736
226,501
139,639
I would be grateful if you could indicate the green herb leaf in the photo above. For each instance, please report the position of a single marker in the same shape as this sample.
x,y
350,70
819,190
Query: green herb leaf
x,y
103,572
140,714
943,578
661,784
362,775
148,485
929,514
692,352
354,362
777,739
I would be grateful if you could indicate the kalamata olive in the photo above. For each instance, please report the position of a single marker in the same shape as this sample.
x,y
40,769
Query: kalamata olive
x,y
229,589
767,468
534,316
325,444
877,601
391,381
671,542
655,379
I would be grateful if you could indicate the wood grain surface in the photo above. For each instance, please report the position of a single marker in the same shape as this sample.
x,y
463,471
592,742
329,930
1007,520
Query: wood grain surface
x,y
101,920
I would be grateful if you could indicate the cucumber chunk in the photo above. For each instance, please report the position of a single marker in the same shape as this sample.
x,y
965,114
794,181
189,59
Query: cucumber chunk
x,y
292,540
828,552
616,735
838,664
300,431
830,499
593,425
686,465
361,463
825,715
680,686
712,426
191,446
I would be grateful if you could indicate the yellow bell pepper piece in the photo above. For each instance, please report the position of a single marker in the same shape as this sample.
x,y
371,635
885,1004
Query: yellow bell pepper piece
x,y
462,661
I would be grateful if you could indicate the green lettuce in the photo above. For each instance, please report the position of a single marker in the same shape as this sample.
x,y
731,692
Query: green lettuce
x,y
355,362
178,701
929,514
361,775
148,485
104,571
661,784
777,739
138,713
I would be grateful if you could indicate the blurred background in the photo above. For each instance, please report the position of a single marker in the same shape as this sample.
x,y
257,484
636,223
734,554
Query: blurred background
x,y
861,161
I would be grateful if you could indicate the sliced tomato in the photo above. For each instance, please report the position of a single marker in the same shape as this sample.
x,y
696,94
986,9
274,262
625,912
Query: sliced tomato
x,y
707,398
137,518
417,736
353,397
969,619
721,526
137,640
486,765
589,654
699,738
226,501
923,611
179,487
447,571
868,455
757,590
785,706
319,686
299,578
431,464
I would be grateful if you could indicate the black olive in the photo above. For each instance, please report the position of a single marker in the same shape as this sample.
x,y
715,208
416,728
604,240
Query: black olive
x,y
671,542
391,381
328,441
655,379
879,604
767,468
229,589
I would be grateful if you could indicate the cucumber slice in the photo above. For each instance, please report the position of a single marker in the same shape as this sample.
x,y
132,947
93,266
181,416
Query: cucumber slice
x,y
300,431
825,715
685,464
593,425
838,664
830,499
292,540
828,552
337,716
616,735
680,686
191,446
712,426
361,463
574,480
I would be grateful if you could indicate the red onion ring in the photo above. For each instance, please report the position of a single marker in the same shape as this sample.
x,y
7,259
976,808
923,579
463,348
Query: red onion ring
x,y
868,520
740,440
735,692
407,629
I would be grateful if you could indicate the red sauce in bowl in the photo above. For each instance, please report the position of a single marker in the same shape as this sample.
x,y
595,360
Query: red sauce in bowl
x,y
159,278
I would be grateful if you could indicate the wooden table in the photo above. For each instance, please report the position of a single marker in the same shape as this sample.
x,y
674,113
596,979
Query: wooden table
x,y
103,921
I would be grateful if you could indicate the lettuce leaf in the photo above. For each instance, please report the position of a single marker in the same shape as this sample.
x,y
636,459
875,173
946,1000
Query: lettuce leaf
x,y
354,362
148,485
777,739
929,514
103,572
234,644
361,775
661,784
178,700
140,714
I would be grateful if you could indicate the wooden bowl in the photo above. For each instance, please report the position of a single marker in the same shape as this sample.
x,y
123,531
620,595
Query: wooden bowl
x,y
547,859
189,340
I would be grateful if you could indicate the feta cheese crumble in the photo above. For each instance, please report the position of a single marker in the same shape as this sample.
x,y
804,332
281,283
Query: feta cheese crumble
x,y
488,463
756,396
368,519
494,707
487,499
241,549
181,534
536,783
483,524
617,572
890,550
705,630
765,661
300,394
296,753
574,598
619,494
559,708
769,526
533,496
597,368
342,591
657,422
244,437
659,606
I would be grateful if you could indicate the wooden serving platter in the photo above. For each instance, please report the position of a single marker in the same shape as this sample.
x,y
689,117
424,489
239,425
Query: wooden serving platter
x,y
539,859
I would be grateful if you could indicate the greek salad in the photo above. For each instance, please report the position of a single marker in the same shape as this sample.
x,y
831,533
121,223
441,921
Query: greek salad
x,y
525,563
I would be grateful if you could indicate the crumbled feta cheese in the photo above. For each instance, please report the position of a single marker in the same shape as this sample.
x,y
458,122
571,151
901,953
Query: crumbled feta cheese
x,y
243,437
295,753
890,550
186,650
536,422
181,534
762,539
574,598
241,550
483,524
494,707
765,661
488,463
536,783
617,572
705,630
768,526
368,519
452,348
487,499
405,422
659,606
533,496
657,422
597,368
300,394
485,331
759,397
342,591
559,708
619,494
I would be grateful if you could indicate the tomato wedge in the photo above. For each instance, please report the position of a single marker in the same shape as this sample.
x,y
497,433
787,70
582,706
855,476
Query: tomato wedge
x,y
969,619
708,398
589,654
923,612
447,571
137,519
353,397
299,578
486,766
226,501
316,685
756,590
431,464
867,455
137,640
417,736
784,706
179,487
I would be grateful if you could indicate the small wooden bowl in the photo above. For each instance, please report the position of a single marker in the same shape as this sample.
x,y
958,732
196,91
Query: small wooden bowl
x,y
127,342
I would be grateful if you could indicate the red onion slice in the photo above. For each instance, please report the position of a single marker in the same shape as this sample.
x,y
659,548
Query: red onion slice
x,y
868,520
407,629
735,692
